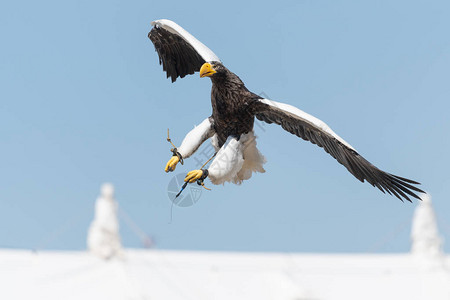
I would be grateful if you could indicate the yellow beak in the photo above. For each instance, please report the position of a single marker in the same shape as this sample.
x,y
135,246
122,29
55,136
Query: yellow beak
x,y
206,70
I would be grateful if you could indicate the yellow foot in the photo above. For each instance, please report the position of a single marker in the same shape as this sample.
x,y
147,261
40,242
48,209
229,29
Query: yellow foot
x,y
193,176
172,164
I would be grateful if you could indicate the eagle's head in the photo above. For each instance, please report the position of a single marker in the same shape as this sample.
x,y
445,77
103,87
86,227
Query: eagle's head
x,y
213,69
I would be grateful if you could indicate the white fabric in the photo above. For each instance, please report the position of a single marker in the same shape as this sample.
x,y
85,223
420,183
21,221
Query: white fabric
x,y
315,121
173,27
236,160
195,138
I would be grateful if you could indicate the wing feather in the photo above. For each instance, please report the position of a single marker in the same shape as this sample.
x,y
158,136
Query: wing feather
x,y
317,132
179,52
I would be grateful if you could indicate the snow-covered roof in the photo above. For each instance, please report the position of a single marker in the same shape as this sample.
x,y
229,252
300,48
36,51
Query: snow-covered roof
x,y
157,274
109,272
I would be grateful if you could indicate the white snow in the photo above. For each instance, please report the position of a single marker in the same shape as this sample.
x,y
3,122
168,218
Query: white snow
x,y
156,274
162,274
426,242
103,236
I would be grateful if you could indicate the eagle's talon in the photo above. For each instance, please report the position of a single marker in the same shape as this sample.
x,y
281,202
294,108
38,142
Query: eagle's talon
x,y
172,164
194,175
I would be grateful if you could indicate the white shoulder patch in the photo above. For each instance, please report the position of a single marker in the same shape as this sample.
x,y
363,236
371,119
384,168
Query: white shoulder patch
x,y
305,116
173,27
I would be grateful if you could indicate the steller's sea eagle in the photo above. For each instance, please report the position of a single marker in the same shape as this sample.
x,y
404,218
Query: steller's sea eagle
x,y
234,109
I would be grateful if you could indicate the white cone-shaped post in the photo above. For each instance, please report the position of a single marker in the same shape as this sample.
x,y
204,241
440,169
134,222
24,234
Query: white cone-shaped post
x,y
103,236
426,241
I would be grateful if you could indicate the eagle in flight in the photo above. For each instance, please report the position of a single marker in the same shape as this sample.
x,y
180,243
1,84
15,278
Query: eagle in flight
x,y
234,109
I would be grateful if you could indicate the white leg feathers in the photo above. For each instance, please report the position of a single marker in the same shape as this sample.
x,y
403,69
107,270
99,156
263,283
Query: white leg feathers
x,y
236,160
227,163
195,138
253,159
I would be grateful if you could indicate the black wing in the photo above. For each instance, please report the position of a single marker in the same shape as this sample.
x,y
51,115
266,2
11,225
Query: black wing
x,y
179,52
312,129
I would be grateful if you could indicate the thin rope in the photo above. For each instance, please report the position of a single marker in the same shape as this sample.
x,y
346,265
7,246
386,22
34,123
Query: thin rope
x,y
169,140
208,161
146,240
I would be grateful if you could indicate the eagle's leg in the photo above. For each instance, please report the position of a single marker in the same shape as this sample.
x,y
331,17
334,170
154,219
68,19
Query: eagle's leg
x,y
195,175
225,166
191,143
172,163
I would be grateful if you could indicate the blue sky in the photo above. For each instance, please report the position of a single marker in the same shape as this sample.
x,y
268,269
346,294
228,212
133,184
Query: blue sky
x,y
84,101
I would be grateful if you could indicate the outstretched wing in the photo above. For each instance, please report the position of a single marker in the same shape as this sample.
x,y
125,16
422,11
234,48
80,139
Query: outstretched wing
x,y
317,132
179,52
